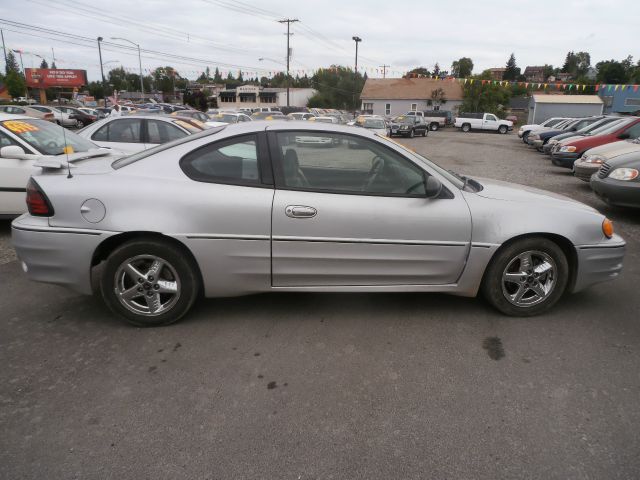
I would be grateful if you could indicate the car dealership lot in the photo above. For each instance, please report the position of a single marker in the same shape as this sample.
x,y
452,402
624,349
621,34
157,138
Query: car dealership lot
x,y
331,385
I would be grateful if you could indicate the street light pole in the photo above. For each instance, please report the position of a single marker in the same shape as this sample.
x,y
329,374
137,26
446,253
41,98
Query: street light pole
x,y
355,74
139,62
104,89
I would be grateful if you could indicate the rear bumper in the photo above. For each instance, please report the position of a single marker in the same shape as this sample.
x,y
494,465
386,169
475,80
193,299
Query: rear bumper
x,y
56,255
616,192
599,263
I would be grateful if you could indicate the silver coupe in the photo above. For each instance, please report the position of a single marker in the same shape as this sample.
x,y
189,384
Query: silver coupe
x,y
249,208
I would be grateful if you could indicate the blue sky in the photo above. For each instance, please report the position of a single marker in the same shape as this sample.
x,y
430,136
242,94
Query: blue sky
x,y
240,32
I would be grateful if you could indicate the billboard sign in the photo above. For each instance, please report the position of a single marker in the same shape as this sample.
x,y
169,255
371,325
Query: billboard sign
x,y
55,77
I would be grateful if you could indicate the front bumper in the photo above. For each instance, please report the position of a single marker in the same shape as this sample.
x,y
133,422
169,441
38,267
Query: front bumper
x,y
56,255
616,192
564,159
584,170
599,263
548,147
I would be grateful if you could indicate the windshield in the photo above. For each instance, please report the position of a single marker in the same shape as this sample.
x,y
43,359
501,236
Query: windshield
x,y
46,137
373,123
610,127
226,118
404,119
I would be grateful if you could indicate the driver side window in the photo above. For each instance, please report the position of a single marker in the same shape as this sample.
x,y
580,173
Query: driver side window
x,y
333,162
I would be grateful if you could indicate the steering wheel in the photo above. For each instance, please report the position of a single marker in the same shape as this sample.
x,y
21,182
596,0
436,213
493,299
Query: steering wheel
x,y
376,167
414,186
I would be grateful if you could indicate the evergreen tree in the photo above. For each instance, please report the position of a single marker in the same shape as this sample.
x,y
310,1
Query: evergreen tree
x,y
15,84
44,64
12,63
53,65
216,76
512,72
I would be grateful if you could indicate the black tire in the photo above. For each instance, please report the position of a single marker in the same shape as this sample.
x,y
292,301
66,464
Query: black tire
x,y
502,129
79,124
525,137
425,132
175,257
466,128
492,283
434,127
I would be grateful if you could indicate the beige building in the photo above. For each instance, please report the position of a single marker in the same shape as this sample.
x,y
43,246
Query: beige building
x,y
254,96
395,96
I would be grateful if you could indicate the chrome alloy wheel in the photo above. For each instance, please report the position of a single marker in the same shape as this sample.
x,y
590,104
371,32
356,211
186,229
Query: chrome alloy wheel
x,y
529,278
147,285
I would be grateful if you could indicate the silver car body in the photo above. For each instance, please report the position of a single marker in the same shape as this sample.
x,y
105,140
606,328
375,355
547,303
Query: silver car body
x,y
248,239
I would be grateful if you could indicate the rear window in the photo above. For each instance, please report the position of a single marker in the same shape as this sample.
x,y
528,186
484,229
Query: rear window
x,y
125,130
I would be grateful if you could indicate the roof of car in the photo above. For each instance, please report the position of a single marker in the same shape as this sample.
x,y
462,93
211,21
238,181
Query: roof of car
x,y
10,116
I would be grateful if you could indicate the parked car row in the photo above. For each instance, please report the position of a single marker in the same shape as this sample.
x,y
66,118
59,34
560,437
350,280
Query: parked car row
x,y
601,150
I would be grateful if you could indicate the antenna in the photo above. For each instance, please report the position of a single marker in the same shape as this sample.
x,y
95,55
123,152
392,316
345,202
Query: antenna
x,y
65,149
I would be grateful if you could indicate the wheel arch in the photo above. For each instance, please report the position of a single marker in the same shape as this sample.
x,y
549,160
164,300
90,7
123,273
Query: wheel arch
x,y
106,247
564,243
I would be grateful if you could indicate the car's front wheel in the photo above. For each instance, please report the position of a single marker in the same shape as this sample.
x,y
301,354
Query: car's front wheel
x,y
527,277
79,124
503,129
149,282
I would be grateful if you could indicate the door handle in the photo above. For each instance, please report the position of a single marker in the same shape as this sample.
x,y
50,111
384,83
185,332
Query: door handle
x,y
300,211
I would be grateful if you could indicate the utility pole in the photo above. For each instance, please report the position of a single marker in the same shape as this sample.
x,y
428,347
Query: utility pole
x,y
288,21
384,70
104,89
53,58
355,74
4,50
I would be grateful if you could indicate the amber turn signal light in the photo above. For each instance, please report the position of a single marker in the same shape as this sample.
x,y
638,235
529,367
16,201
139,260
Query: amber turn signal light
x,y
607,228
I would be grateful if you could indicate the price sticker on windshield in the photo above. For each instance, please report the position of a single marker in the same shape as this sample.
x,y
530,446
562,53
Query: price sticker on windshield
x,y
17,126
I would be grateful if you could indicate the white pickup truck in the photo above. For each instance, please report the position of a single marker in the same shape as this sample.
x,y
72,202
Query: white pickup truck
x,y
482,121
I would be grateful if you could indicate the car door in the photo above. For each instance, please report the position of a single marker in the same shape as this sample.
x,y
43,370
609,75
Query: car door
x,y
123,134
14,175
352,212
490,122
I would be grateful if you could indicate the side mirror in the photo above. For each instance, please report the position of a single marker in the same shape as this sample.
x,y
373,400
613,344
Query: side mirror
x,y
13,151
432,187
622,136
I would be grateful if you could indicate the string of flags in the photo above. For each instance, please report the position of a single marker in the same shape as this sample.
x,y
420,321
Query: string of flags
x,y
568,86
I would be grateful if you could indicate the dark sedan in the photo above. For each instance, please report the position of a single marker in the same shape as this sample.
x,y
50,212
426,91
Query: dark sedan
x,y
618,181
81,117
408,126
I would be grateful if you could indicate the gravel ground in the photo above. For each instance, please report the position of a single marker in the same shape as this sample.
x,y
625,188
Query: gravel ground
x,y
328,386
7,254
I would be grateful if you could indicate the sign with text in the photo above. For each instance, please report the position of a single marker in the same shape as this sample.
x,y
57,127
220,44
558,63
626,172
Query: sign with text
x,y
55,77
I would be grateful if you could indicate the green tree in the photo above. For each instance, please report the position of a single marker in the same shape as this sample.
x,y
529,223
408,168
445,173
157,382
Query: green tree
x,y
44,64
15,84
489,97
338,87
436,70
216,76
438,97
612,71
462,67
512,72
418,71
12,63
548,71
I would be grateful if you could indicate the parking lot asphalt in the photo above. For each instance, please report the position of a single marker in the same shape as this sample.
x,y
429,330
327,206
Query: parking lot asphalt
x,y
331,386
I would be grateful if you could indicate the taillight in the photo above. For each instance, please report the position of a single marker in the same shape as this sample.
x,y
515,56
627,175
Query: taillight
x,y
37,202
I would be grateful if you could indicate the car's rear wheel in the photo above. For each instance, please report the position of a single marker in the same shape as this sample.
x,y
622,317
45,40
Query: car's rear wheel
x,y
149,282
434,127
503,129
79,124
527,277
466,127
525,137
